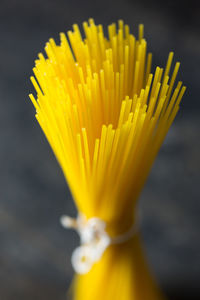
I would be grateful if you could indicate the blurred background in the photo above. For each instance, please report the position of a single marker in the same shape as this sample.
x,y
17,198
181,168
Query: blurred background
x,y
35,250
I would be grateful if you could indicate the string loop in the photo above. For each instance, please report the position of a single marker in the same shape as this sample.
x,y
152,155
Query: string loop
x,y
94,240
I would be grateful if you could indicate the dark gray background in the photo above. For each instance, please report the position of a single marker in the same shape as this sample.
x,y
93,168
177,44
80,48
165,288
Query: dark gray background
x,y
34,249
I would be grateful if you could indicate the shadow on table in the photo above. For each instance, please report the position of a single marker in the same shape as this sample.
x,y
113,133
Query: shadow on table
x,y
183,292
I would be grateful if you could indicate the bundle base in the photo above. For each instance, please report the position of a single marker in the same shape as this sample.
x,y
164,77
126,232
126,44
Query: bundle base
x,y
121,274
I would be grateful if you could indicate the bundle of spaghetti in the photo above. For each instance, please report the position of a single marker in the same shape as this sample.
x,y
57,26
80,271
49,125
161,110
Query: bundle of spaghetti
x,y
105,116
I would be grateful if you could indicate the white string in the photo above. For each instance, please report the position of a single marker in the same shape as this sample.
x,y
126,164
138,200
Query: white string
x,y
94,240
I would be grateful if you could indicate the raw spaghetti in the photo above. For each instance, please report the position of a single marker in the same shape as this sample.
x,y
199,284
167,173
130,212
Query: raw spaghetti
x,y
105,116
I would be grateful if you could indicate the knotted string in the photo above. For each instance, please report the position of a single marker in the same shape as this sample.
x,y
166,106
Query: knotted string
x,y
94,240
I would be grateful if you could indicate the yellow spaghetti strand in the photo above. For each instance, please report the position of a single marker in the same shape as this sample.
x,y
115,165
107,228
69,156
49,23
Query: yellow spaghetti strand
x,y
105,115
